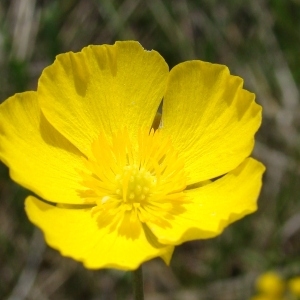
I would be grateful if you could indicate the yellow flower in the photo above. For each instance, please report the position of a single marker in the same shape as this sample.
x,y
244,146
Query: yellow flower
x,y
294,286
271,284
265,297
117,192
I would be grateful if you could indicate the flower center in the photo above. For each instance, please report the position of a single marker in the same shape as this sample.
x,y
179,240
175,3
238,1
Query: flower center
x,y
144,178
134,185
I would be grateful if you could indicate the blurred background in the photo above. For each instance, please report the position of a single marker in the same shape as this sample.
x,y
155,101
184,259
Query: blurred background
x,y
258,40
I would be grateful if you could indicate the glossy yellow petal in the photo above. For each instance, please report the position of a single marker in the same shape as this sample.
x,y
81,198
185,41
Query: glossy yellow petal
x,y
211,118
39,158
77,235
214,206
102,88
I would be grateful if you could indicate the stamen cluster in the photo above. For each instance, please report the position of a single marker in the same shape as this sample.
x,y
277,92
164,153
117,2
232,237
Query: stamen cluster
x,y
146,180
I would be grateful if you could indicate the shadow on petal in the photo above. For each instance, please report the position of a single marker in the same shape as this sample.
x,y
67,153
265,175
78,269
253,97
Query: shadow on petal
x,y
54,138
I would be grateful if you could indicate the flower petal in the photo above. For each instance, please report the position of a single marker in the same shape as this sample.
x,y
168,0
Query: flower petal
x,y
102,88
77,235
39,158
211,118
214,206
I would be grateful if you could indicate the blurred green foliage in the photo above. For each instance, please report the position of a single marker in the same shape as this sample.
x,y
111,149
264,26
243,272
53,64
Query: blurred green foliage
x,y
259,41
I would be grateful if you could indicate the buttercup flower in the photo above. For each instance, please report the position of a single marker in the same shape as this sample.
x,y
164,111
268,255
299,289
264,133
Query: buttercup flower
x,y
294,286
118,189
271,284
